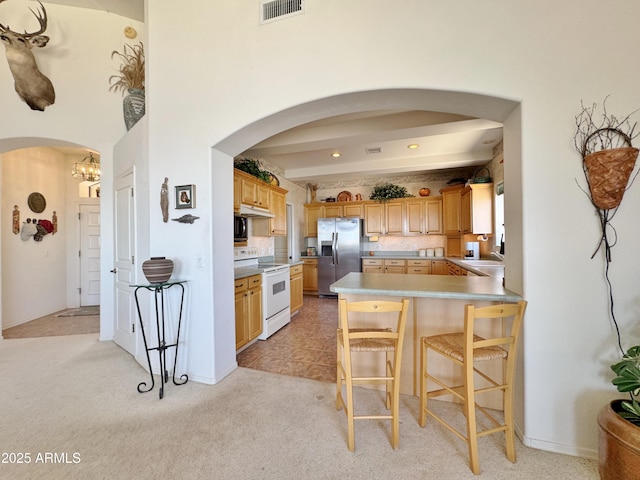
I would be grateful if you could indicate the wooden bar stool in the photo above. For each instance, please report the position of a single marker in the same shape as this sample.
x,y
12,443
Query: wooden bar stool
x,y
387,340
468,349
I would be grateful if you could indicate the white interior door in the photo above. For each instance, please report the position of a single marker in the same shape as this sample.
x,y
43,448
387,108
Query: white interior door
x,y
89,255
124,242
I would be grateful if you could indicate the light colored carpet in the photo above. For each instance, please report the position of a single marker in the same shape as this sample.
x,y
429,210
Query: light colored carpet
x,y
76,395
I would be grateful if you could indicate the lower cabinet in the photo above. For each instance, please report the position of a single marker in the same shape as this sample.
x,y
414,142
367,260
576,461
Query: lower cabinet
x,y
372,265
310,275
409,266
296,287
248,305
394,266
419,267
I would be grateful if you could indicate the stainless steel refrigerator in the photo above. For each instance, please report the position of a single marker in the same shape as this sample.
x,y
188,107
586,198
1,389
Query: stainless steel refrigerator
x,y
339,250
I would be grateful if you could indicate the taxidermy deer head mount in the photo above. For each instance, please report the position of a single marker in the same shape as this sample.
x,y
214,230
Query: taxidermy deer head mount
x,y
32,86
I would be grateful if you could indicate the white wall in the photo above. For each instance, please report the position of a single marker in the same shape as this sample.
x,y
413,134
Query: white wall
x,y
35,273
78,61
239,73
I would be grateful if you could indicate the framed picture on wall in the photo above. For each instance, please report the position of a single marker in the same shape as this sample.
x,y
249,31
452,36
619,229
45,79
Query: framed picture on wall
x,y
186,196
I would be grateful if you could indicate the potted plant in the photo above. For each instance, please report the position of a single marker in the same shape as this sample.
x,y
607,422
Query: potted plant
x,y
619,423
130,79
388,191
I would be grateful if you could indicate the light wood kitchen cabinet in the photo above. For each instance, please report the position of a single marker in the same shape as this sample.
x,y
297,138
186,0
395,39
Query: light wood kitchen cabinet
x,y
353,210
478,209
311,214
468,209
384,218
249,190
423,216
394,266
237,193
439,267
456,270
374,219
254,192
433,216
394,218
296,287
419,267
465,211
310,275
332,211
248,309
452,210
276,226
372,265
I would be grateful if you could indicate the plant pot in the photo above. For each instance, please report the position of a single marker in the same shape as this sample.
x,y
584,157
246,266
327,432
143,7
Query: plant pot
x,y
609,172
157,269
133,106
618,445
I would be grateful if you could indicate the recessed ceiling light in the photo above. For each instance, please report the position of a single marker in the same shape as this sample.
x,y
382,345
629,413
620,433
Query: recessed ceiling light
x,y
336,154
413,146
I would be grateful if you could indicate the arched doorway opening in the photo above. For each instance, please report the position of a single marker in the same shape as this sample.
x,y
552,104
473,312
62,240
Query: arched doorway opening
x,y
45,277
498,109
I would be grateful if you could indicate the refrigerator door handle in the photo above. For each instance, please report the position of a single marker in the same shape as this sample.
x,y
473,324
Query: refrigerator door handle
x,y
336,258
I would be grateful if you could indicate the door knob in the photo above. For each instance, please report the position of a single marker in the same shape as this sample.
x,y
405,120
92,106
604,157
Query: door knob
x,y
115,270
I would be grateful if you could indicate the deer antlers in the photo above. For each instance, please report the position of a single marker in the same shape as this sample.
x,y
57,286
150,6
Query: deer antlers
x,y
41,16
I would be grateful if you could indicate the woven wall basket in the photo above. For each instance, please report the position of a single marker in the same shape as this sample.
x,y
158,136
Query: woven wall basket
x,y
609,172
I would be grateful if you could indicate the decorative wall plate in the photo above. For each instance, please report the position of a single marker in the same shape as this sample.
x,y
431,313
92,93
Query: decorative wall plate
x,y
36,202
344,196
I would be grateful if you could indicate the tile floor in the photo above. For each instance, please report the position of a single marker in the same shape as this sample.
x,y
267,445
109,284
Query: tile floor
x,y
52,325
304,348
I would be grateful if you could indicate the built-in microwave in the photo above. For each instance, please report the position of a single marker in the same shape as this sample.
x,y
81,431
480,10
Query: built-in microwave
x,y
240,230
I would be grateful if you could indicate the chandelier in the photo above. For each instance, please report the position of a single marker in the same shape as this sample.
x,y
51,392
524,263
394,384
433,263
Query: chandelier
x,y
87,169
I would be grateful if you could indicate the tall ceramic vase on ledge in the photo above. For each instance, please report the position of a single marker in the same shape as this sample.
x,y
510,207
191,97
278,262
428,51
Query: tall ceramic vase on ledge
x,y
133,106
157,269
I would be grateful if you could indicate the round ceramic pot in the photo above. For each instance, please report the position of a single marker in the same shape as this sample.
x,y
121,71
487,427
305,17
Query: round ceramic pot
x,y
157,269
618,445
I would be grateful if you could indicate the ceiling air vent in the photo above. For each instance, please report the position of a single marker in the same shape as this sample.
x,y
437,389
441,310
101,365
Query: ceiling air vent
x,y
278,9
373,150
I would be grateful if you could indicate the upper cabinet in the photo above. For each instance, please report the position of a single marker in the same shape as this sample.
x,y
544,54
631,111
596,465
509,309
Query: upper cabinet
x,y
252,191
481,208
424,216
468,209
403,216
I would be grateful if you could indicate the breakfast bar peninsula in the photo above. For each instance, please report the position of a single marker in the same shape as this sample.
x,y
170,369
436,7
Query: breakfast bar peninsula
x,y
437,306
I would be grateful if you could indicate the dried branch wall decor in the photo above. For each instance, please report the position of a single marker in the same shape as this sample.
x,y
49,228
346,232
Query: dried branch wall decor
x,y
604,142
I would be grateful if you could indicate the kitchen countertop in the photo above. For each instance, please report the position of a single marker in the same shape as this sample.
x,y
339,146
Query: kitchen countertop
x,y
426,286
243,272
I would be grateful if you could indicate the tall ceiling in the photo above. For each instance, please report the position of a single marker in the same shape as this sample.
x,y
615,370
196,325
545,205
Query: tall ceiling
x,y
370,144
376,144
133,9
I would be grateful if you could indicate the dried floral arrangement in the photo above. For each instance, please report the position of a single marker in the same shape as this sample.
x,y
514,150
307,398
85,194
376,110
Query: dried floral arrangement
x,y
131,71
604,131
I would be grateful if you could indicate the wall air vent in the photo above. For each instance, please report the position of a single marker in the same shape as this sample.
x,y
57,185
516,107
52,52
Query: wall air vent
x,y
373,150
272,10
